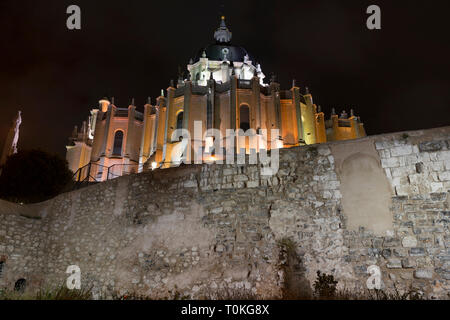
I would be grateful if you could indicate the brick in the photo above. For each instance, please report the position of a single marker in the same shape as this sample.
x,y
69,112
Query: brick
x,y
401,150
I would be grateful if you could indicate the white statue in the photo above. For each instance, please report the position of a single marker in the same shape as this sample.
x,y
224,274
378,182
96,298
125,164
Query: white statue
x,y
16,132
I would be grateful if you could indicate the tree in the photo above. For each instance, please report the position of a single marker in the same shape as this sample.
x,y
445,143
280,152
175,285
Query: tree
x,y
33,176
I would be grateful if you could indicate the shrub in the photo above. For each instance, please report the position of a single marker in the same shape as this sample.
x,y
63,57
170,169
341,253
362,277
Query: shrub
x,y
325,286
33,176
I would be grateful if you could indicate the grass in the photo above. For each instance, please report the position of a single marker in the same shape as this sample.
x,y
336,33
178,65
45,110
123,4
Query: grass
x,y
324,289
60,293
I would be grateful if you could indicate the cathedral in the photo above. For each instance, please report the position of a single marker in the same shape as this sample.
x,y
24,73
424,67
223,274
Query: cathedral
x,y
225,89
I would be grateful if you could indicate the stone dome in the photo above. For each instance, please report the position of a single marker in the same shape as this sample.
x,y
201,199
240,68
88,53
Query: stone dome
x,y
223,49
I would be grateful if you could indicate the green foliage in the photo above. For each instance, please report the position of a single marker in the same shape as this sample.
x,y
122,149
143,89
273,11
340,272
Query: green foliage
x,y
33,176
325,286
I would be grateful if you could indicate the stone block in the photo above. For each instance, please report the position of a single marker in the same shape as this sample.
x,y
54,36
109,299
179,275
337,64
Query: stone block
x,y
384,154
190,184
386,253
423,274
400,252
240,178
401,150
390,163
391,242
394,263
430,146
436,187
417,252
447,165
443,155
409,242
444,176
252,184
388,173
324,150
416,179
408,263
405,190
330,185
440,196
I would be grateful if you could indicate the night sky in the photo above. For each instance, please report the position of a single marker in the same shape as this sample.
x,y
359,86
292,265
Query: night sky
x,y
396,78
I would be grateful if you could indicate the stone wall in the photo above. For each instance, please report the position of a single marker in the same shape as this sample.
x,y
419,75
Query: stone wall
x,y
214,230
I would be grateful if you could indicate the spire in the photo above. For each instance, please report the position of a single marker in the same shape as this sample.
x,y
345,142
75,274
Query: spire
x,y
352,113
132,101
84,128
75,132
149,100
306,90
222,34
319,109
273,78
294,84
333,111
180,74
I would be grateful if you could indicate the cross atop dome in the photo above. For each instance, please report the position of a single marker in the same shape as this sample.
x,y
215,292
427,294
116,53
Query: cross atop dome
x,y
222,34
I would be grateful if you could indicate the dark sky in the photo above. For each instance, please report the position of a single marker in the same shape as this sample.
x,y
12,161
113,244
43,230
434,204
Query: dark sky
x,y
397,78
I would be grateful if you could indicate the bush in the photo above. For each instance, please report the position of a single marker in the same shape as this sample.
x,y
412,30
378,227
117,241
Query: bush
x,y
325,286
33,176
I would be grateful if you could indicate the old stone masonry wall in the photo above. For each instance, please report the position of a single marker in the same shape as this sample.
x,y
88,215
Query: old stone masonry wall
x,y
222,231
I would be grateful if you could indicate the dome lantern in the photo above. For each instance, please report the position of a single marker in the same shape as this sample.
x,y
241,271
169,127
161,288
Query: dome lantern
x,y
222,34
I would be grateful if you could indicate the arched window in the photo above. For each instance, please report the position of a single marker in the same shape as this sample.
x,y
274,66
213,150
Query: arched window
x,y
244,117
118,142
180,120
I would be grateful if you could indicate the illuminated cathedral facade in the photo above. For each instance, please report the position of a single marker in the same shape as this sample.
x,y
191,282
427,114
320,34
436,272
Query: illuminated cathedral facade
x,y
225,89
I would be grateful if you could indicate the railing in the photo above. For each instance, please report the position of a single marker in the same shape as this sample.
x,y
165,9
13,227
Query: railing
x,y
344,123
118,170
89,174
94,173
